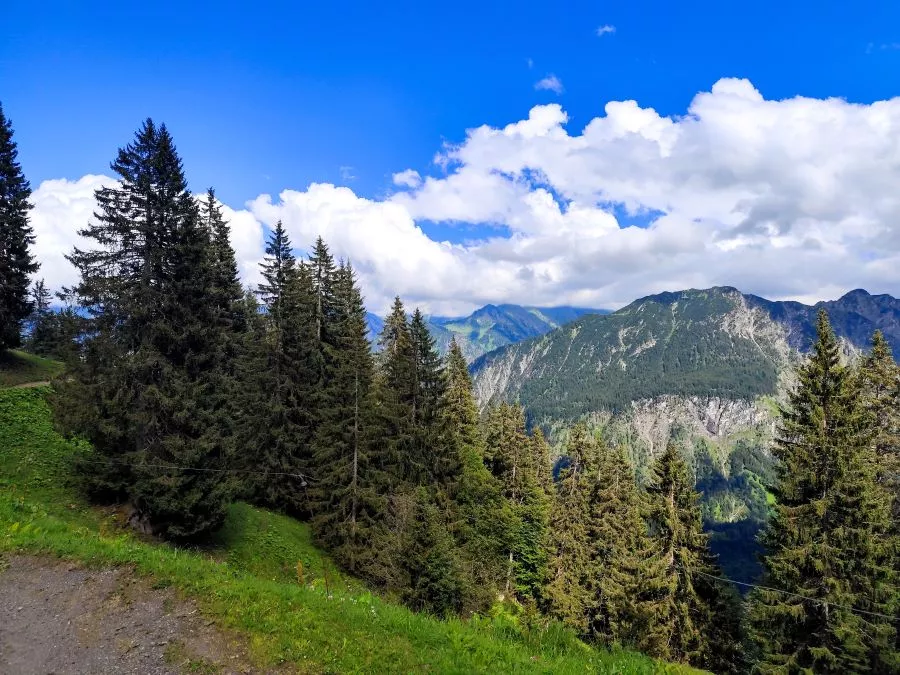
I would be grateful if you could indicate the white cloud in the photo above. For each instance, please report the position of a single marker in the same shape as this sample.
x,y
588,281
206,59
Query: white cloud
x,y
793,198
605,30
62,208
550,83
409,178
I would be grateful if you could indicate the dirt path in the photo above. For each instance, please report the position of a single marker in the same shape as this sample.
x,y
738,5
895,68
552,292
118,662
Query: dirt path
x,y
58,618
30,385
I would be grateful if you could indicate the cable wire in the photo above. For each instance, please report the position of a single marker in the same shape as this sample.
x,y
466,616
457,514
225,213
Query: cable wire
x,y
796,595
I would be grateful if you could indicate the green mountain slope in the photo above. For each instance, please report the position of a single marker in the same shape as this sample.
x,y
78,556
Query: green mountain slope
x,y
696,343
693,343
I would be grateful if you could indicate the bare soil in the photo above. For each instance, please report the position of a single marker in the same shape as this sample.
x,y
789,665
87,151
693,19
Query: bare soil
x,y
56,617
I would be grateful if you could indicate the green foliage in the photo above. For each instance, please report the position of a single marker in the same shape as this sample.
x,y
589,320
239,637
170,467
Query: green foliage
x,y
283,381
695,617
566,593
481,516
829,543
623,575
55,333
17,263
18,368
879,382
246,579
146,393
509,456
347,504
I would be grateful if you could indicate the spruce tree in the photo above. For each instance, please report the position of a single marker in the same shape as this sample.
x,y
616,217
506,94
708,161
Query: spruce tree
x,y
287,383
433,580
688,620
41,325
433,464
879,381
566,594
228,311
477,518
395,391
543,465
17,263
625,574
324,281
143,393
508,456
829,551
347,504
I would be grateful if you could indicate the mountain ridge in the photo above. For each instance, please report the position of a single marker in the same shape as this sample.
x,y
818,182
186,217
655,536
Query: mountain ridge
x,y
491,326
716,341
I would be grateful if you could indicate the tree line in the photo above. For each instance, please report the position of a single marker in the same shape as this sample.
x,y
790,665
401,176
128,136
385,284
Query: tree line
x,y
194,392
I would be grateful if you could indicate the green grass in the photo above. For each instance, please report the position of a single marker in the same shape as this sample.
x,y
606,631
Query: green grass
x,y
22,368
248,579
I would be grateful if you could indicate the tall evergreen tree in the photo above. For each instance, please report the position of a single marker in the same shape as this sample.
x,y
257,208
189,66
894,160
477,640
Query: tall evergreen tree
x,y
287,384
479,518
17,263
625,576
689,622
226,289
828,546
879,380
228,309
348,506
543,465
432,463
395,388
508,456
143,393
566,593
433,580
324,281
41,339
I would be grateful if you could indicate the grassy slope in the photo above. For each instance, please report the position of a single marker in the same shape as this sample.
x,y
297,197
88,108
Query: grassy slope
x,y
21,368
248,580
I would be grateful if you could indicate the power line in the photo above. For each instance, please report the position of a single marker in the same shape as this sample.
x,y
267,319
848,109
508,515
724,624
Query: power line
x,y
796,595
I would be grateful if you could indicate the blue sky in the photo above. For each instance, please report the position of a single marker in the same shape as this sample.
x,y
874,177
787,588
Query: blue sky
x,y
267,96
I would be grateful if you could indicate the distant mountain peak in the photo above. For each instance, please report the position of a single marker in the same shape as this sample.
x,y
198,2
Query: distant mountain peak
x,y
493,326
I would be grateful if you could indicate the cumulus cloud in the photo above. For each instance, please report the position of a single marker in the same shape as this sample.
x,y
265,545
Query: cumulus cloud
x,y
409,178
605,30
794,198
550,83
62,208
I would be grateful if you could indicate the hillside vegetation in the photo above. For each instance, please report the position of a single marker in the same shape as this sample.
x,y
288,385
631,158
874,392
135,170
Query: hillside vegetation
x,y
262,575
18,368
695,343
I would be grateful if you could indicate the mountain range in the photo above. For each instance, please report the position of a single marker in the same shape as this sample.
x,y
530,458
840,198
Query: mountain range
x,y
492,326
705,369
716,342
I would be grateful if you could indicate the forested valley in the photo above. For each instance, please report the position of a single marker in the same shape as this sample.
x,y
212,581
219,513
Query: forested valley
x,y
191,392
